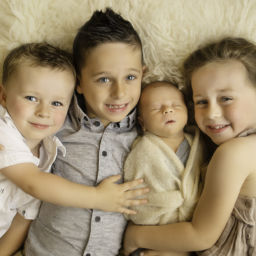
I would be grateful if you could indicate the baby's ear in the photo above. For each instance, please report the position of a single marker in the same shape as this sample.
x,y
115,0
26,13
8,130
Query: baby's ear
x,y
2,95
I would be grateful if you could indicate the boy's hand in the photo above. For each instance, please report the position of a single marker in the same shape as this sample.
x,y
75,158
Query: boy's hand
x,y
114,197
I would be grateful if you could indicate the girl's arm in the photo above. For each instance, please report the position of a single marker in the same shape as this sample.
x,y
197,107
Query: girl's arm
x,y
13,239
107,196
230,166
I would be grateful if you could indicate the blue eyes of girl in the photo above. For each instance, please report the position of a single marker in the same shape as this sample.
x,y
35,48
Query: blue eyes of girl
x,y
222,99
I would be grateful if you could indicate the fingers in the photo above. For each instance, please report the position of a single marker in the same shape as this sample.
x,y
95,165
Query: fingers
x,y
132,184
127,211
136,192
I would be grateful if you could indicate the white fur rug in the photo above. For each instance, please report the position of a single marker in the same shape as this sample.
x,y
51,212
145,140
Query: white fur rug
x,y
169,29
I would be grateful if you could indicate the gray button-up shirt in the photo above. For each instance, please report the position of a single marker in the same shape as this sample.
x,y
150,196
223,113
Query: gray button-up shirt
x,y
93,153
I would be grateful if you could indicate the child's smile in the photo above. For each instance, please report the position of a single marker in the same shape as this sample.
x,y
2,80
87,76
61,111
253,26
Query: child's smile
x,y
224,99
111,82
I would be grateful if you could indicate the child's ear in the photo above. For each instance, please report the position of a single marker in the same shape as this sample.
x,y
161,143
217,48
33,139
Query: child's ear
x,y
144,69
141,123
78,89
2,95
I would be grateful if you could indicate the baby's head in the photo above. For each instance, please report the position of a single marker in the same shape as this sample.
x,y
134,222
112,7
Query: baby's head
x,y
107,54
37,86
222,76
162,110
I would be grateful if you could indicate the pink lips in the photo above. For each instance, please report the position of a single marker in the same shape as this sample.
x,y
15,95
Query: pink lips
x,y
40,126
170,122
217,128
116,108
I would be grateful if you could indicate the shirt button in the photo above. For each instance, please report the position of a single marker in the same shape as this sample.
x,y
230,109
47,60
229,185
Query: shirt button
x,y
96,123
97,218
88,254
85,118
104,153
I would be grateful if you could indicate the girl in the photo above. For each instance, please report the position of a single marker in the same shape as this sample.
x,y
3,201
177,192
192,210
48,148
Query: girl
x,y
222,77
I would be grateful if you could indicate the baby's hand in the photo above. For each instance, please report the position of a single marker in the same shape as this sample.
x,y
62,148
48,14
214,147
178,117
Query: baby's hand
x,y
114,197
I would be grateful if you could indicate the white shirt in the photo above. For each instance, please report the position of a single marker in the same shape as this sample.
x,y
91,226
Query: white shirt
x,y
13,199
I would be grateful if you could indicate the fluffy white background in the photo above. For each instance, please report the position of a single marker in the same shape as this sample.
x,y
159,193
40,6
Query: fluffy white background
x,y
169,29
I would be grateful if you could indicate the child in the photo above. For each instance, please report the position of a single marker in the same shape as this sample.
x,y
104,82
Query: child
x,y
223,80
97,134
38,84
166,157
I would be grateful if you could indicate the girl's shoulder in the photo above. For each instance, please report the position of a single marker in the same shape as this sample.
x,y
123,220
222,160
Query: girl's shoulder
x,y
239,145
238,152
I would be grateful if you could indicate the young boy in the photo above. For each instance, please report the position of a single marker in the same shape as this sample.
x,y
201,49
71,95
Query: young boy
x,y
166,157
97,134
38,84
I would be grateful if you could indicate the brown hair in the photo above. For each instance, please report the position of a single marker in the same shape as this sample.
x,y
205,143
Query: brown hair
x,y
38,55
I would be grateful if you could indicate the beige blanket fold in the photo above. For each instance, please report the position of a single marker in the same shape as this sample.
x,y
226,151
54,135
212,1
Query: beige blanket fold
x,y
174,188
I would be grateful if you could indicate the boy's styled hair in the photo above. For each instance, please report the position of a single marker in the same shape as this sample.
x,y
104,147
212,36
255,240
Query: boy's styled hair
x,y
102,27
37,55
228,48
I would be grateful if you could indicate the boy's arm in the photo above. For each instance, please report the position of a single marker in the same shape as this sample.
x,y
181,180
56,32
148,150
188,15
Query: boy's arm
x,y
227,171
13,239
107,196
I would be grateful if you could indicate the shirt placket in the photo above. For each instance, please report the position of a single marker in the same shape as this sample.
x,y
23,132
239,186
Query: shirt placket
x,y
97,217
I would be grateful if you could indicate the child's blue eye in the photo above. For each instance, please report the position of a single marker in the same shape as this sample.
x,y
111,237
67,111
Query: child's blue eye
x,y
225,99
103,80
57,104
31,98
131,77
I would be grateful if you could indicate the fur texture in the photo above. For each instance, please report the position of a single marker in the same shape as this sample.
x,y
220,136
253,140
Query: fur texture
x,y
169,29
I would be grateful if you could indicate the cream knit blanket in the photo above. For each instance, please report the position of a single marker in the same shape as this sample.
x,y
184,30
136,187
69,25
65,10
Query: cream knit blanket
x,y
174,188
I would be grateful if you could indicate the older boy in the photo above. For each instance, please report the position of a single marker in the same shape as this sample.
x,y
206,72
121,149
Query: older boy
x,y
99,129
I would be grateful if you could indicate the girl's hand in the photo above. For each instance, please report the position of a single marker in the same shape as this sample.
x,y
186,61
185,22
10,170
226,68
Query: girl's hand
x,y
115,197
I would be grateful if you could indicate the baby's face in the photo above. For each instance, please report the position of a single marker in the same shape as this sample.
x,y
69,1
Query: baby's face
x,y
37,99
111,81
162,110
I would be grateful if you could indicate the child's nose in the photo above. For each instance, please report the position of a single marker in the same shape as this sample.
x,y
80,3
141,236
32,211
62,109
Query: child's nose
x,y
167,109
118,90
214,111
43,110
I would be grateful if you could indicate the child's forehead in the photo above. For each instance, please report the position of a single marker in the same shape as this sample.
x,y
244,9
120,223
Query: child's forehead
x,y
107,47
